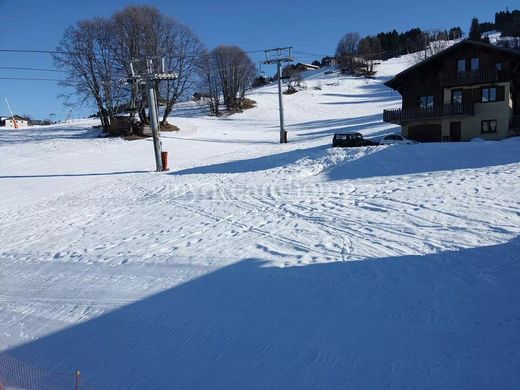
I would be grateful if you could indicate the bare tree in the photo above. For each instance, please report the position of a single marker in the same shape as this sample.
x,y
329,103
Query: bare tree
x,y
143,32
209,82
183,54
236,73
348,44
435,41
370,50
138,35
84,52
435,47
97,54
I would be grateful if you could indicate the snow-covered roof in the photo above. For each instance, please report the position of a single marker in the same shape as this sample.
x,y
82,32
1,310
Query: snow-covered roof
x,y
309,65
448,50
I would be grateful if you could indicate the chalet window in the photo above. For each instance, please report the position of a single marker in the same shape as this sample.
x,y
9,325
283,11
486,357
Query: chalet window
x,y
456,96
489,94
498,66
474,63
461,65
426,101
489,126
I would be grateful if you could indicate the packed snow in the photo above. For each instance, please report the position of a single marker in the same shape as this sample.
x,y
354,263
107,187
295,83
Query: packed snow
x,y
255,265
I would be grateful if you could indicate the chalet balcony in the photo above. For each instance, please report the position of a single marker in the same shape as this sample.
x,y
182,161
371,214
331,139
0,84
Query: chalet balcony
x,y
453,79
436,112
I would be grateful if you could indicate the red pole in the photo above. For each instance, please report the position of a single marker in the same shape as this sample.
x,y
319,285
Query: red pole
x,y
164,157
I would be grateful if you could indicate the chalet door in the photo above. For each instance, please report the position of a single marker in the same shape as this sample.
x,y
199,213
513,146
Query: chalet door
x,y
455,131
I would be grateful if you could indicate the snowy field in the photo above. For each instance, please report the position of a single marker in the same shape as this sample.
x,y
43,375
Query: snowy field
x,y
255,265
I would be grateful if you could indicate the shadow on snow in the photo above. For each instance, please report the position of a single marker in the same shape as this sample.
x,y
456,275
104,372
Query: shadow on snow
x,y
448,320
423,158
377,161
329,123
70,175
44,133
255,164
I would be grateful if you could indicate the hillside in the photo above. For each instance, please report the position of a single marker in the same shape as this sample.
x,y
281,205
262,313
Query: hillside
x,y
258,265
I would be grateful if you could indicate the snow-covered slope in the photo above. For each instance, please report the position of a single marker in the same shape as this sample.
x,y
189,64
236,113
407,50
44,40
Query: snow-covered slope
x,y
236,269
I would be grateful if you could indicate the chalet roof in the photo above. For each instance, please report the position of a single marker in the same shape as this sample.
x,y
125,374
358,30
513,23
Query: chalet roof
x,y
307,65
515,53
16,117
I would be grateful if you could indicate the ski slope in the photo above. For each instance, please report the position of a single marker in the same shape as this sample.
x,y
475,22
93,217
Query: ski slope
x,y
258,265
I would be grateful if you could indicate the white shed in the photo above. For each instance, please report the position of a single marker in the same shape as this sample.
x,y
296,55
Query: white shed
x,y
15,121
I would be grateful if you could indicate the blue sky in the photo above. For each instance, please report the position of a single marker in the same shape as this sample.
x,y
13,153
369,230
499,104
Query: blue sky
x,y
313,27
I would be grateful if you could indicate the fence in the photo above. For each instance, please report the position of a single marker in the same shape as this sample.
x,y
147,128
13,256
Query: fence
x,y
17,375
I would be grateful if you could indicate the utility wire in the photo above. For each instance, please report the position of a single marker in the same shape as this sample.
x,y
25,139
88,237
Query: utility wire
x,y
301,55
419,41
30,79
67,83
66,52
31,69
32,51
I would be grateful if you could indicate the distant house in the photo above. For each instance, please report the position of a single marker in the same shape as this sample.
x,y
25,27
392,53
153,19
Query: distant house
x,y
293,69
469,90
40,122
300,67
197,96
329,61
15,121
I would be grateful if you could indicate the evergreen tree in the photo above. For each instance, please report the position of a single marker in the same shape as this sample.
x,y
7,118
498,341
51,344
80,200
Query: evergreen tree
x,y
474,30
508,23
455,33
486,26
412,40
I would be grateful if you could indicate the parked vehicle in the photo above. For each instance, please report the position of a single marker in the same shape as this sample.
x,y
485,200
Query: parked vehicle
x,y
393,139
350,140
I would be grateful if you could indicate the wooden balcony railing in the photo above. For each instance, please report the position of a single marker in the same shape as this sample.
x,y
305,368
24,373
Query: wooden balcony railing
x,y
446,110
452,79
